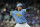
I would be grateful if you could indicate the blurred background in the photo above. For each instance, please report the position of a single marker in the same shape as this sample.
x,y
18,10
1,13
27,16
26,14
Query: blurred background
x,y
33,12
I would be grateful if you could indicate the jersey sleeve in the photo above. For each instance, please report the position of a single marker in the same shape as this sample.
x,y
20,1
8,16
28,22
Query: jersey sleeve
x,y
25,10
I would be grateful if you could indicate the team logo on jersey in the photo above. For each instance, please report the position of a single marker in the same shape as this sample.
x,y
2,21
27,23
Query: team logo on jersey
x,y
18,15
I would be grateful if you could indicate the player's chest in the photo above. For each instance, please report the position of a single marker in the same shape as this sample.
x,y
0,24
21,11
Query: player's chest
x,y
18,13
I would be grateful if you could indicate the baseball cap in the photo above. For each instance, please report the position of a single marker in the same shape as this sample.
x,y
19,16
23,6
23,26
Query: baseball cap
x,y
19,4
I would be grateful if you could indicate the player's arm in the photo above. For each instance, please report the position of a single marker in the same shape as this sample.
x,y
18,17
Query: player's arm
x,y
11,12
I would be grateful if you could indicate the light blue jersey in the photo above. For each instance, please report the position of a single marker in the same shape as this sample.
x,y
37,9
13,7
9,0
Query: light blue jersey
x,y
19,16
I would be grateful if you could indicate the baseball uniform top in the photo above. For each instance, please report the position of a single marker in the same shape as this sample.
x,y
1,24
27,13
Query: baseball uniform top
x,y
19,16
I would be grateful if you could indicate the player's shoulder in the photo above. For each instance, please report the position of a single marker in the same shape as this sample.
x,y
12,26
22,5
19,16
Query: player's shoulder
x,y
13,11
24,9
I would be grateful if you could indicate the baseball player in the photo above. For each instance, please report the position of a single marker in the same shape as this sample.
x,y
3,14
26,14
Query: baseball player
x,y
20,16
